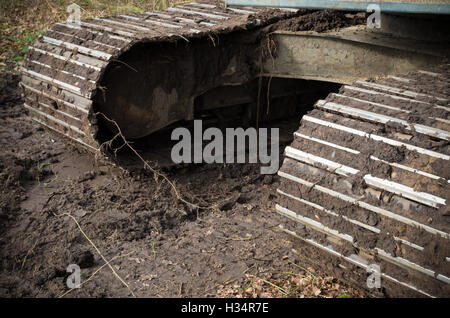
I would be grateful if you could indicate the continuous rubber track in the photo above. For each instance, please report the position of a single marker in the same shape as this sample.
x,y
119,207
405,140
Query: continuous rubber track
x,y
62,75
366,182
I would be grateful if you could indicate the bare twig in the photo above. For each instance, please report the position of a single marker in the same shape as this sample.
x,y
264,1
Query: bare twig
x,y
94,273
212,40
98,251
28,253
182,37
155,172
301,267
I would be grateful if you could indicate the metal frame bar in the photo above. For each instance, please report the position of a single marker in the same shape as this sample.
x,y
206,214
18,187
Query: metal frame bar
x,y
385,6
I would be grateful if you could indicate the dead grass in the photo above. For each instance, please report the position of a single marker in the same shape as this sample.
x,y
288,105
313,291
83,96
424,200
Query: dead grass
x,y
294,284
21,21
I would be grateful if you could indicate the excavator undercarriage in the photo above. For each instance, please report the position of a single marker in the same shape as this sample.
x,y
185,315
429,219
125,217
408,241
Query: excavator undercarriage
x,y
365,182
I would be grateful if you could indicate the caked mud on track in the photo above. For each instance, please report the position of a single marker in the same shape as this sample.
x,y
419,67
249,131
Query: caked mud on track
x,y
366,180
162,60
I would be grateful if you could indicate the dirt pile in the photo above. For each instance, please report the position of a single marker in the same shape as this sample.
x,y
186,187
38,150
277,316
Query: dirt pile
x,y
320,21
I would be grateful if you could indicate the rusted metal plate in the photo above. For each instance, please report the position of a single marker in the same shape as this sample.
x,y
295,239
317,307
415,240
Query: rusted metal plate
x,y
349,54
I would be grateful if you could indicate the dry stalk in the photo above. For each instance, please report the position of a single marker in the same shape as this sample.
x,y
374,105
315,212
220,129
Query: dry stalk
x,y
98,251
212,40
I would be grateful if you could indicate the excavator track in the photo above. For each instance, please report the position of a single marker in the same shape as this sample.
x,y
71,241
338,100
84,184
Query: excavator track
x,y
64,69
366,183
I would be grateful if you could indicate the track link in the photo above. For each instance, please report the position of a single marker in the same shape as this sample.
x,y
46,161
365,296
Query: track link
x,y
62,74
366,181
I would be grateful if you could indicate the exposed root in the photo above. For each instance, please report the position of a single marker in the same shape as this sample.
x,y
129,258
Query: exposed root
x,y
212,40
127,65
28,253
99,253
271,49
268,95
156,172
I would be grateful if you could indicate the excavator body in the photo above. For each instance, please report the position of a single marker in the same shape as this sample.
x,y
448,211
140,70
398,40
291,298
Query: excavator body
x,y
365,182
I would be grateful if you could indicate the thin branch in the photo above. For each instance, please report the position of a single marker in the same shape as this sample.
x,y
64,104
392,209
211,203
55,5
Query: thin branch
x,y
98,251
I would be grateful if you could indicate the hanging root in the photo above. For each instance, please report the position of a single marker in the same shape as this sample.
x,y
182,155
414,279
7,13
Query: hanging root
x,y
156,172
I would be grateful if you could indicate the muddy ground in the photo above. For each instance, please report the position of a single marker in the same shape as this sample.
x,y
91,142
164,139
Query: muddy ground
x,y
158,245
